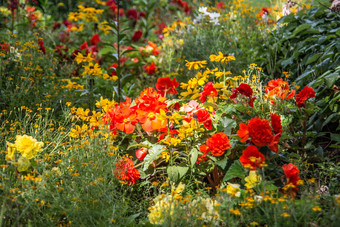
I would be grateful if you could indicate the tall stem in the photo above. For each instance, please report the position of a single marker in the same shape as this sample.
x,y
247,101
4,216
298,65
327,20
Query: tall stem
x,y
118,56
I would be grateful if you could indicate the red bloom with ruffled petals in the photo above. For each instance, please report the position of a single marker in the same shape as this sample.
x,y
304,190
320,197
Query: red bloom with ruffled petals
x,y
166,86
260,132
251,158
95,39
292,173
218,143
132,14
126,172
275,121
243,132
306,92
244,89
150,69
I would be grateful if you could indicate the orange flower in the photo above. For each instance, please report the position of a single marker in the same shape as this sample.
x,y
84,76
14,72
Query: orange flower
x,y
166,86
279,88
260,132
251,158
208,90
218,143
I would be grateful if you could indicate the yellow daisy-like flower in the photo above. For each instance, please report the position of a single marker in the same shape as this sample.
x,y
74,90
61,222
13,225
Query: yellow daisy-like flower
x,y
195,64
221,58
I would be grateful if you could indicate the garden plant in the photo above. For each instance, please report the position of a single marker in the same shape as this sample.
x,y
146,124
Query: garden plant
x,y
169,113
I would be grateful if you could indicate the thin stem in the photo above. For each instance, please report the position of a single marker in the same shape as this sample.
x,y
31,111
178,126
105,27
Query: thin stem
x,y
118,44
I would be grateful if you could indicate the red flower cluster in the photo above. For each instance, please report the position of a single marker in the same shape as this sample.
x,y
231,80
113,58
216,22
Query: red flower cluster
x,y
166,86
251,158
220,5
124,117
193,110
244,89
208,90
126,172
279,89
261,133
183,4
292,174
41,45
306,92
216,144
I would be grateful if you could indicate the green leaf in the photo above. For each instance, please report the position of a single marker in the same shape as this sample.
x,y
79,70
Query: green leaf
x,y
193,156
269,186
153,154
176,172
106,50
235,170
228,124
313,58
331,79
222,163
300,28
335,137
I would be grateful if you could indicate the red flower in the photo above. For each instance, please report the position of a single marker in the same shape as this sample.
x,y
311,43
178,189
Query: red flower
x,y
275,121
243,132
279,88
126,172
306,92
150,69
161,27
244,89
251,158
292,173
202,115
218,143
137,35
220,5
95,39
260,132
41,45
132,14
141,153
142,14
208,90
166,86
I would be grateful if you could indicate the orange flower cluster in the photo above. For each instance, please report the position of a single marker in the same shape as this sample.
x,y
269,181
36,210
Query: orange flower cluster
x,y
146,111
208,90
216,144
261,132
251,158
126,172
279,89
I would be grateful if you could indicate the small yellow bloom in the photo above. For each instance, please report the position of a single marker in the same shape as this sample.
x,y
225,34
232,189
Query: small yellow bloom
x,y
316,209
285,215
195,64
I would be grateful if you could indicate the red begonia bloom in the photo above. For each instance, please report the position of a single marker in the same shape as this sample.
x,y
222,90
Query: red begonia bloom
x,y
275,121
208,90
306,92
292,173
150,69
41,45
126,172
166,86
220,5
218,143
132,14
244,89
137,35
260,132
141,153
95,39
243,132
251,158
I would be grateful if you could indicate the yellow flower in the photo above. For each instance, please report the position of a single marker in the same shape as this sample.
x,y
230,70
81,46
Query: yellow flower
x,y
28,146
233,189
236,211
221,58
10,152
252,180
285,215
195,64
316,209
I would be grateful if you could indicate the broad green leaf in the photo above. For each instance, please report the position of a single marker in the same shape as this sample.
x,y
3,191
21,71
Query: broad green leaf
x,y
235,170
313,58
228,124
300,28
193,156
222,163
331,79
153,154
269,186
335,137
106,50
176,172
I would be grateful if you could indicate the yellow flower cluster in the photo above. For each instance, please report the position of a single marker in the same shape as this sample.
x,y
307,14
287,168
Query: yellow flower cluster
x,y
168,207
87,14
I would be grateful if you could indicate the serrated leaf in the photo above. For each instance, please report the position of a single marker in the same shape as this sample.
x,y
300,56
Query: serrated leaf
x,y
193,157
176,172
153,154
228,124
235,170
